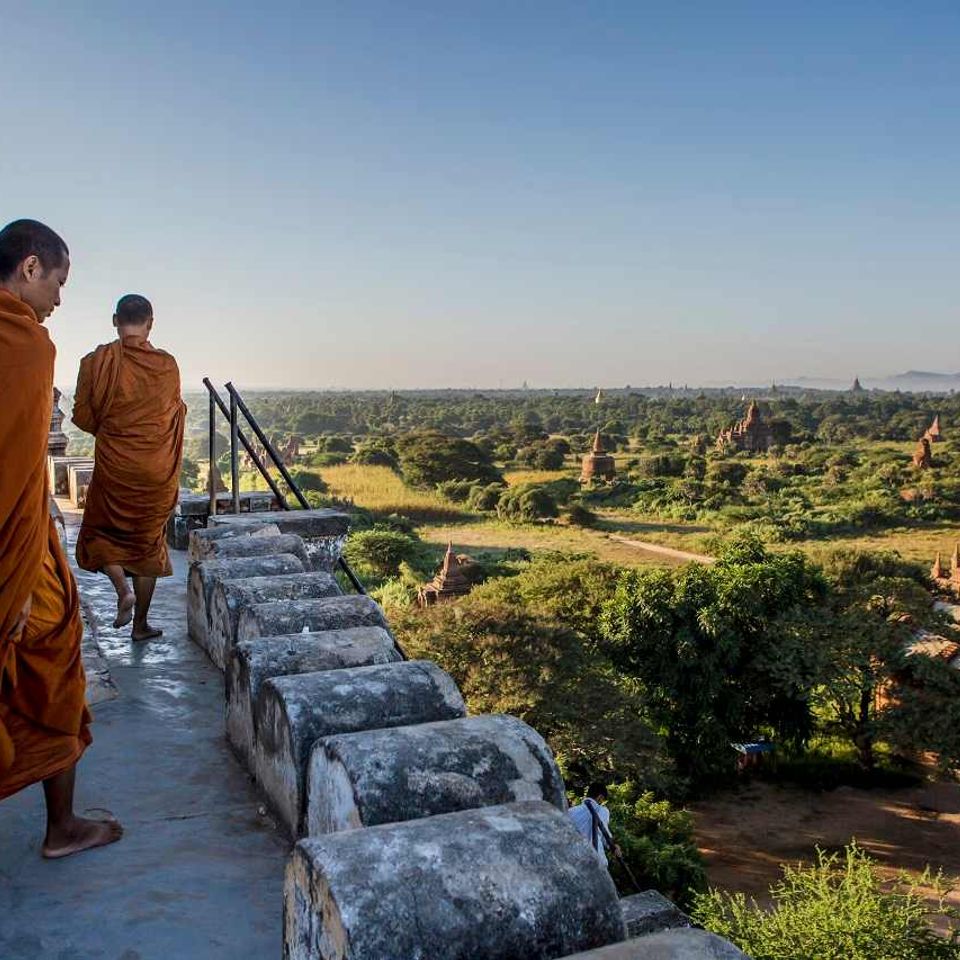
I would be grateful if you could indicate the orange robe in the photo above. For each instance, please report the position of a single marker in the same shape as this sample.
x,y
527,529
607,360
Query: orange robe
x,y
43,715
128,396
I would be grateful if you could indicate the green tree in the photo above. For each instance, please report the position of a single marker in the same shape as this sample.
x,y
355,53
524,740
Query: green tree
x,y
721,652
526,645
874,685
429,458
838,908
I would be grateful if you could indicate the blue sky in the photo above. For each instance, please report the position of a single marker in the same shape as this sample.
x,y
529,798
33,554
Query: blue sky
x,y
475,194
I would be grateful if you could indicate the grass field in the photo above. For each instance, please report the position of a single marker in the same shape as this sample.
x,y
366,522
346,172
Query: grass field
x,y
382,491
379,489
495,536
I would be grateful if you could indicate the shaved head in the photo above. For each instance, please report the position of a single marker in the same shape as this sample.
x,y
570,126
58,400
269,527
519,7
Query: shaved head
x,y
23,239
133,310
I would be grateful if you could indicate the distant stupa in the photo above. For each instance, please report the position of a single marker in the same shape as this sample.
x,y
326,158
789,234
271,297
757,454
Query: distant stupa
x,y
449,582
933,433
598,464
856,388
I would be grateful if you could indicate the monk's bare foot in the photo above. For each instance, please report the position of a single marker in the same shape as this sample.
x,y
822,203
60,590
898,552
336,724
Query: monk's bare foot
x,y
125,606
79,834
146,632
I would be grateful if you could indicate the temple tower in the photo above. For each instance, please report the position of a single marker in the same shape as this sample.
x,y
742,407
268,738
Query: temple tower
x,y
598,464
56,439
449,582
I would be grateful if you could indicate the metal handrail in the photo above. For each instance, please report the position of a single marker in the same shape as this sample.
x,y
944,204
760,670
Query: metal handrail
x,y
237,436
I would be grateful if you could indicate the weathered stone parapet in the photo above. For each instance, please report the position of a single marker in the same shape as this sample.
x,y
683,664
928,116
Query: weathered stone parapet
x,y
229,597
404,773
257,545
200,544
323,531
204,574
255,661
296,616
293,712
511,882
649,912
304,523
667,945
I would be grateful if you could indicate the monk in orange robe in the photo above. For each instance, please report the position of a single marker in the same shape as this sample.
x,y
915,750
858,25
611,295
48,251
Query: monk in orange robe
x,y
43,715
128,397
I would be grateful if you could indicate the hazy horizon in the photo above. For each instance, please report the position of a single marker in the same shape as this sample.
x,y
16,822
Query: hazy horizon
x,y
382,197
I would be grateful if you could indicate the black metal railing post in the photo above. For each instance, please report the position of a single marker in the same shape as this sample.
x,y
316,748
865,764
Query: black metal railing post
x,y
211,482
234,455
268,446
254,456
237,436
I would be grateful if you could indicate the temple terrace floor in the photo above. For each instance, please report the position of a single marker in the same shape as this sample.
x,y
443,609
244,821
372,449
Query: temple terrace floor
x,y
198,873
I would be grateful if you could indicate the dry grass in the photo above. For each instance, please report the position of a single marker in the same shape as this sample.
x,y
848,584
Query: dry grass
x,y
516,478
919,545
495,536
381,491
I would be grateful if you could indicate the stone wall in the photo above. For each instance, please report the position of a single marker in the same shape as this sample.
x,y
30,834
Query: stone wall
x,y
419,832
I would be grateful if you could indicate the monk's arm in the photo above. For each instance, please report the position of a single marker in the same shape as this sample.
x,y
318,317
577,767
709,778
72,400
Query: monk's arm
x,y
83,415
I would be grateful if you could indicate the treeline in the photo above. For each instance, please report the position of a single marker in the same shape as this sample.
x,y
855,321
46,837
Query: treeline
x,y
525,416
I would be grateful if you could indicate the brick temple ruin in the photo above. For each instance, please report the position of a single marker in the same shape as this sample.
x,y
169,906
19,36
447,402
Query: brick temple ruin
x,y
752,434
933,433
598,465
449,583
922,455
947,578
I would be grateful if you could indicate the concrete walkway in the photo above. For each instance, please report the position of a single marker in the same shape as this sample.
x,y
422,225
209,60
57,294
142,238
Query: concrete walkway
x,y
199,871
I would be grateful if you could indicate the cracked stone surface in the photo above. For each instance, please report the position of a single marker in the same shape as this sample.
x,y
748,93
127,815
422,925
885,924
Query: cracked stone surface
x,y
199,871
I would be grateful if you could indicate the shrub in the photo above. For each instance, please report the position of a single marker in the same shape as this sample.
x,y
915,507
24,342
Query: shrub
x,y
657,842
838,908
375,453
382,551
429,458
456,490
397,522
307,480
580,516
485,497
335,445
544,454
661,465
526,503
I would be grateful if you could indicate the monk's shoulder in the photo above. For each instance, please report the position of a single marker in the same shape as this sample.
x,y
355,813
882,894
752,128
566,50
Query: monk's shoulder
x,y
167,358
95,354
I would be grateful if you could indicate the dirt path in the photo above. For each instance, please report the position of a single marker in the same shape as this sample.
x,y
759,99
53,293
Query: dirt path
x,y
745,835
662,551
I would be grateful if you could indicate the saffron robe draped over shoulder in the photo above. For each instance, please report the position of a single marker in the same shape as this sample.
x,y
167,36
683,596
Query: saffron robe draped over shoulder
x,y
128,397
43,716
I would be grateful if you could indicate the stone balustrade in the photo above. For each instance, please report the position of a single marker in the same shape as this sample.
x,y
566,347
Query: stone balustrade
x,y
204,575
252,662
428,833
293,712
229,597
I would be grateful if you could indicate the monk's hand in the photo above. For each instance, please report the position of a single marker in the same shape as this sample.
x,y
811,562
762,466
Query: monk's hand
x,y
21,621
